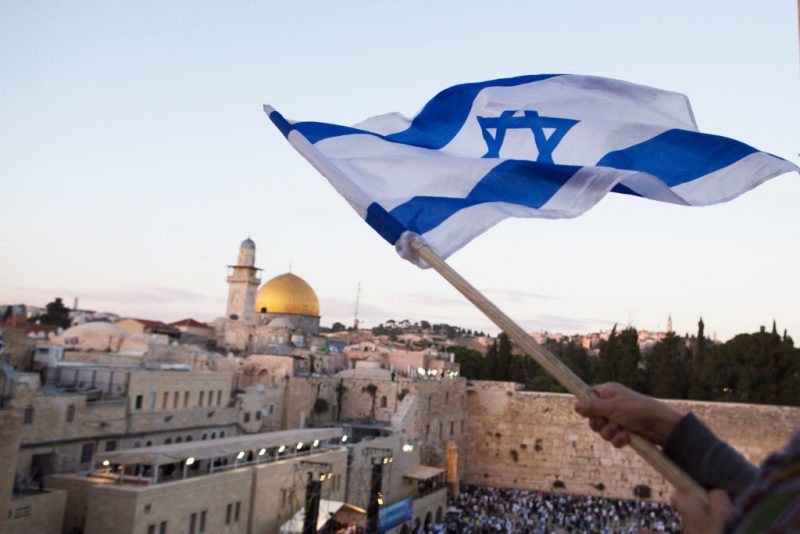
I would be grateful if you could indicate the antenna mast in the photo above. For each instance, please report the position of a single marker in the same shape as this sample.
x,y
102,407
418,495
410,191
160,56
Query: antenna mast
x,y
355,314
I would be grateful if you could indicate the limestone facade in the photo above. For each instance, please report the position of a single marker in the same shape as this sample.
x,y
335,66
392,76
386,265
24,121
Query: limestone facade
x,y
531,440
62,429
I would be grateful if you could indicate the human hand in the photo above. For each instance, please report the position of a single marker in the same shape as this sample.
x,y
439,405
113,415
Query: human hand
x,y
700,518
618,410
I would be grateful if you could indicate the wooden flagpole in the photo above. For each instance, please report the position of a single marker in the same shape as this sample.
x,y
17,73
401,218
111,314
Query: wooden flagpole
x,y
556,368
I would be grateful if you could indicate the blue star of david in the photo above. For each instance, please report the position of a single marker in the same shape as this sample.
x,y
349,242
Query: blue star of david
x,y
532,121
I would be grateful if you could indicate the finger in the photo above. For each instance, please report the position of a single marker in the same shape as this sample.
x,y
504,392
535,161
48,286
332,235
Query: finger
x,y
593,407
621,439
597,423
606,390
609,431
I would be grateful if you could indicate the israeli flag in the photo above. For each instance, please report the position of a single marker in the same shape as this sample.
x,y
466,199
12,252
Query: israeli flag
x,y
548,146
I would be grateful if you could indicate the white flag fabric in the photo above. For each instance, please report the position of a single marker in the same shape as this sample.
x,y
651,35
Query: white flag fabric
x,y
548,146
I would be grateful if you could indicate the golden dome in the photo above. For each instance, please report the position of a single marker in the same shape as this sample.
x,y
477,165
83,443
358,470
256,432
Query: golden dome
x,y
287,294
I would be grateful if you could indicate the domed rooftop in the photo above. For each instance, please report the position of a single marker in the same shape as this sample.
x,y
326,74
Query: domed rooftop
x,y
287,294
248,243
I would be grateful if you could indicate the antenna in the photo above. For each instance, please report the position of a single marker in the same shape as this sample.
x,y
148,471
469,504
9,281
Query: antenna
x,y
355,314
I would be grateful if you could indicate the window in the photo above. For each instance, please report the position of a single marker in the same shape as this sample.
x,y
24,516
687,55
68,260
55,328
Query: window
x,y
138,404
185,399
258,415
204,437
179,440
213,435
168,441
236,511
219,397
246,417
383,401
193,523
165,400
87,450
228,513
28,417
111,445
210,397
271,409
452,427
162,528
203,521
149,443
70,413
176,397
151,529
151,400
202,397
188,438
427,430
222,434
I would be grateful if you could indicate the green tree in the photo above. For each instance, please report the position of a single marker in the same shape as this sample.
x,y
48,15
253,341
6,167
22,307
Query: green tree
x,y
338,327
505,359
470,361
608,359
490,368
620,360
56,314
667,369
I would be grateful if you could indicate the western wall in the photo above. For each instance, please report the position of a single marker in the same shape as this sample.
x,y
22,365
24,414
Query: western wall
x,y
532,440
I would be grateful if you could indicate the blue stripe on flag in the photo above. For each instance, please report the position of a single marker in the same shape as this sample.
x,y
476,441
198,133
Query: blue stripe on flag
x,y
384,223
435,126
678,156
527,183
283,125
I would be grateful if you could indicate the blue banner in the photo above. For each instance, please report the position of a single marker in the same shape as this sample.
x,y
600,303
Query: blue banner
x,y
394,514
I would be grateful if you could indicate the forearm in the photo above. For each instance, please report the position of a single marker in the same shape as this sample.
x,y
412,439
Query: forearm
x,y
706,458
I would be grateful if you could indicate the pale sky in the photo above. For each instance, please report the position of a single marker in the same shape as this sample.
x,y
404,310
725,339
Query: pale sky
x,y
134,157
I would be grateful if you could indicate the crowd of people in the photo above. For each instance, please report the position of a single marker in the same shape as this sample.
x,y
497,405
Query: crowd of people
x,y
480,509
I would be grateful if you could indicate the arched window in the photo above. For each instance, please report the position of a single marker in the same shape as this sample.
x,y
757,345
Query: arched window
x,y
222,434
383,401
149,443
213,435
188,438
179,440
204,437
167,441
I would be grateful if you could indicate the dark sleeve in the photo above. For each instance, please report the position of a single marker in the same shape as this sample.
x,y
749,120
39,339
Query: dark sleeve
x,y
706,458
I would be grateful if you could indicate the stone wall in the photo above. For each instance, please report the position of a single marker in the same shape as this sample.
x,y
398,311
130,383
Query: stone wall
x,y
39,512
531,440
10,421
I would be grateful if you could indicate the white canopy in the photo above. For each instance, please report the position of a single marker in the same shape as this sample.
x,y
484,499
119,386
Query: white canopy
x,y
200,450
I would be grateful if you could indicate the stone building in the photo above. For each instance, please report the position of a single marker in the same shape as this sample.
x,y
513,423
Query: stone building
x,y
81,410
283,312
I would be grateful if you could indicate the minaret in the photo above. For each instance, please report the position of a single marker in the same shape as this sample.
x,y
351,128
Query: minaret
x,y
243,281
669,323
